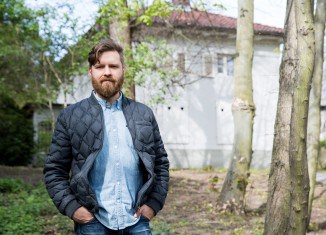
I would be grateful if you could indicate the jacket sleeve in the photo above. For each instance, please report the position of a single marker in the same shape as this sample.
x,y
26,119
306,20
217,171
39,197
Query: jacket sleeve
x,y
156,198
57,168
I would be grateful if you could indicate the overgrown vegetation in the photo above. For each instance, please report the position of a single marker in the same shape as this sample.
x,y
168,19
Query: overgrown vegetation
x,y
25,208
16,133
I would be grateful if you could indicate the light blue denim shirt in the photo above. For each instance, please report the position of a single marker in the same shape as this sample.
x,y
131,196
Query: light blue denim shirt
x,y
116,175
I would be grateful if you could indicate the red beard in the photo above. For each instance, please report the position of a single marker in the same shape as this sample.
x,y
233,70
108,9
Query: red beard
x,y
107,87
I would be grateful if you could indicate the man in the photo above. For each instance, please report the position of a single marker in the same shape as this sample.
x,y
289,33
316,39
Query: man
x,y
107,168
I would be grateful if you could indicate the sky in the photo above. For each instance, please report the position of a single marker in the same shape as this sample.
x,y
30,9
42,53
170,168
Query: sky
x,y
268,12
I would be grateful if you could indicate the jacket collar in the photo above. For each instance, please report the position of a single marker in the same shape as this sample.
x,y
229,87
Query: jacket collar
x,y
125,100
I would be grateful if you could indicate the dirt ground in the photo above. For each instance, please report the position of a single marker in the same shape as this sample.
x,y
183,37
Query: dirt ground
x,y
190,207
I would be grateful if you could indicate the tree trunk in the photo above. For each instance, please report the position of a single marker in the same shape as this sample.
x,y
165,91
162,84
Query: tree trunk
x,y
277,212
287,202
48,91
314,121
119,30
234,187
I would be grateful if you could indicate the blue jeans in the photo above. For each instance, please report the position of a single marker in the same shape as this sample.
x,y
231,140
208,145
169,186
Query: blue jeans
x,y
94,227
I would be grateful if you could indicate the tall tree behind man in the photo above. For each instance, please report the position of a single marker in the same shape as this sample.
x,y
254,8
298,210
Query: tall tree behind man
x,y
287,204
243,109
314,121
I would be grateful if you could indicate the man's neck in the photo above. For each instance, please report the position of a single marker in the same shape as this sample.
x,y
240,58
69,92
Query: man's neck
x,y
111,99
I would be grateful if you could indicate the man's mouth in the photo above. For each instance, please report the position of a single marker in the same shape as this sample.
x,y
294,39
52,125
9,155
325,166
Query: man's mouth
x,y
107,80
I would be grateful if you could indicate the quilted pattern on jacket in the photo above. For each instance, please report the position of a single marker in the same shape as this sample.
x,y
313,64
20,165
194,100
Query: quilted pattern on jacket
x,y
77,139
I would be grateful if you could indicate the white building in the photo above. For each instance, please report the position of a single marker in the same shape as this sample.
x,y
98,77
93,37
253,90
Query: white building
x,y
197,129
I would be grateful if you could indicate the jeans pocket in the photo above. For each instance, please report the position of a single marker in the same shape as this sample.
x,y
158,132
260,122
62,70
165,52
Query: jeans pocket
x,y
92,227
92,220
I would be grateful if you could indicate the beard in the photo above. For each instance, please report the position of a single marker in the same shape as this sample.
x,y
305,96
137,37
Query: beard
x,y
107,87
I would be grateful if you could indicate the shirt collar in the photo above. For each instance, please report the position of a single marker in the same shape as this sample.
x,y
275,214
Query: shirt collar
x,y
117,104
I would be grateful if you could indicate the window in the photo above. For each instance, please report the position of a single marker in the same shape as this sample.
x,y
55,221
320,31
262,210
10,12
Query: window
x,y
220,64
44,136
225,64
230,65
181,62
208,65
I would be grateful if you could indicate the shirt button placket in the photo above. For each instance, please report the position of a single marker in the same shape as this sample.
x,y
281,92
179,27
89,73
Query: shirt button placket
x,y
115,138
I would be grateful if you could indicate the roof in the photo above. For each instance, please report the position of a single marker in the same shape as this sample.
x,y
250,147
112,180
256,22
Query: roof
x,y
204,19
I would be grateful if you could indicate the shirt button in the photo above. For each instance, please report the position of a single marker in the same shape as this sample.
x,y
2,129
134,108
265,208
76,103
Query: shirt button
x,y
114,130
115,146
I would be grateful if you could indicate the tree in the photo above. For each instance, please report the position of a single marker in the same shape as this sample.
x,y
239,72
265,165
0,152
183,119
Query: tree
x,y
16,133
119,30
288,188
20,40
62,58
235,183
116,18
314,121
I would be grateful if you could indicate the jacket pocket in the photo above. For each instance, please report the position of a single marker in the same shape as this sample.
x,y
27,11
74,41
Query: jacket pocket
x,y
144,132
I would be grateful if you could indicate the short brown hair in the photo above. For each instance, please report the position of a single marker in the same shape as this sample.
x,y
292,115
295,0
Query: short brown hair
x,y
103,46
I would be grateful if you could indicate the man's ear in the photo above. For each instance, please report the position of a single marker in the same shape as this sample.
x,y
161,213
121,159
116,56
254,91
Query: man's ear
x,y
90,72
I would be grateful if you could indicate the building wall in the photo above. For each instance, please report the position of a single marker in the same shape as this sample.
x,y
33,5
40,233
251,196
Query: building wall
x,y
197,129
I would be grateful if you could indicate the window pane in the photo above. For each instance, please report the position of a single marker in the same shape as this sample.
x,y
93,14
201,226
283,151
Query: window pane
x,y
220,64
230,65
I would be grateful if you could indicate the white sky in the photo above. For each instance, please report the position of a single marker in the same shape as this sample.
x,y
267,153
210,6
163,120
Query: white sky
x,y
268,12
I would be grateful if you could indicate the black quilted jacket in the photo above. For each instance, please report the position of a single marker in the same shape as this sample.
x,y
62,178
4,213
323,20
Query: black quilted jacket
x,y
77,140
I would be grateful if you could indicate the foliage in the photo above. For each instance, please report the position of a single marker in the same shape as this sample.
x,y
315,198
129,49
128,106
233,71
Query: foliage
x,y
16,133
322,144
8,185
160,227
148,63
28,210
19,53
64,52
152,69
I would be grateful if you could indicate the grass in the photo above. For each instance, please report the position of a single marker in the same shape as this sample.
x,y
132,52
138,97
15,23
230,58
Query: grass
x,y
27,209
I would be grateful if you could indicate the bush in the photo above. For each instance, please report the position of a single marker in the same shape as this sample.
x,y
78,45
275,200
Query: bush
x,y
29,210
16,134
12,185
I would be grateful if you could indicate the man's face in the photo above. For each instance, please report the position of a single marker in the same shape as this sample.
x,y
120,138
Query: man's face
x,y
107,75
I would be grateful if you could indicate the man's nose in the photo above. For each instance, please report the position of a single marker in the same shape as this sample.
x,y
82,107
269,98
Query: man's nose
x,y
107,70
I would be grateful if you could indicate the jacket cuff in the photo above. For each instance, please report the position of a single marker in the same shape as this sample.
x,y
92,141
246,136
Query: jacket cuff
x,y
155,205
71,208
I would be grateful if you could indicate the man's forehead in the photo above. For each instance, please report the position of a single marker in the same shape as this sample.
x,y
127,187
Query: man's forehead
x,y
109,55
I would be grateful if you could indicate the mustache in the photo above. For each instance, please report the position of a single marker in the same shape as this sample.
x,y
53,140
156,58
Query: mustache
x,y
107,79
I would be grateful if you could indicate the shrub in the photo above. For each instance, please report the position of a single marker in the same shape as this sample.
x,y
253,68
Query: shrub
x,y
12,185
16,133
29,210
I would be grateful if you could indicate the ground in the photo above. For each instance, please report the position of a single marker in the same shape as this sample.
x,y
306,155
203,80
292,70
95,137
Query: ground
x,y
191,204
190,207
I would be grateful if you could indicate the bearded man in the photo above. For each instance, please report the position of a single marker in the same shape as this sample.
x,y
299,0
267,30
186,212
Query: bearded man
x,y
107,168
